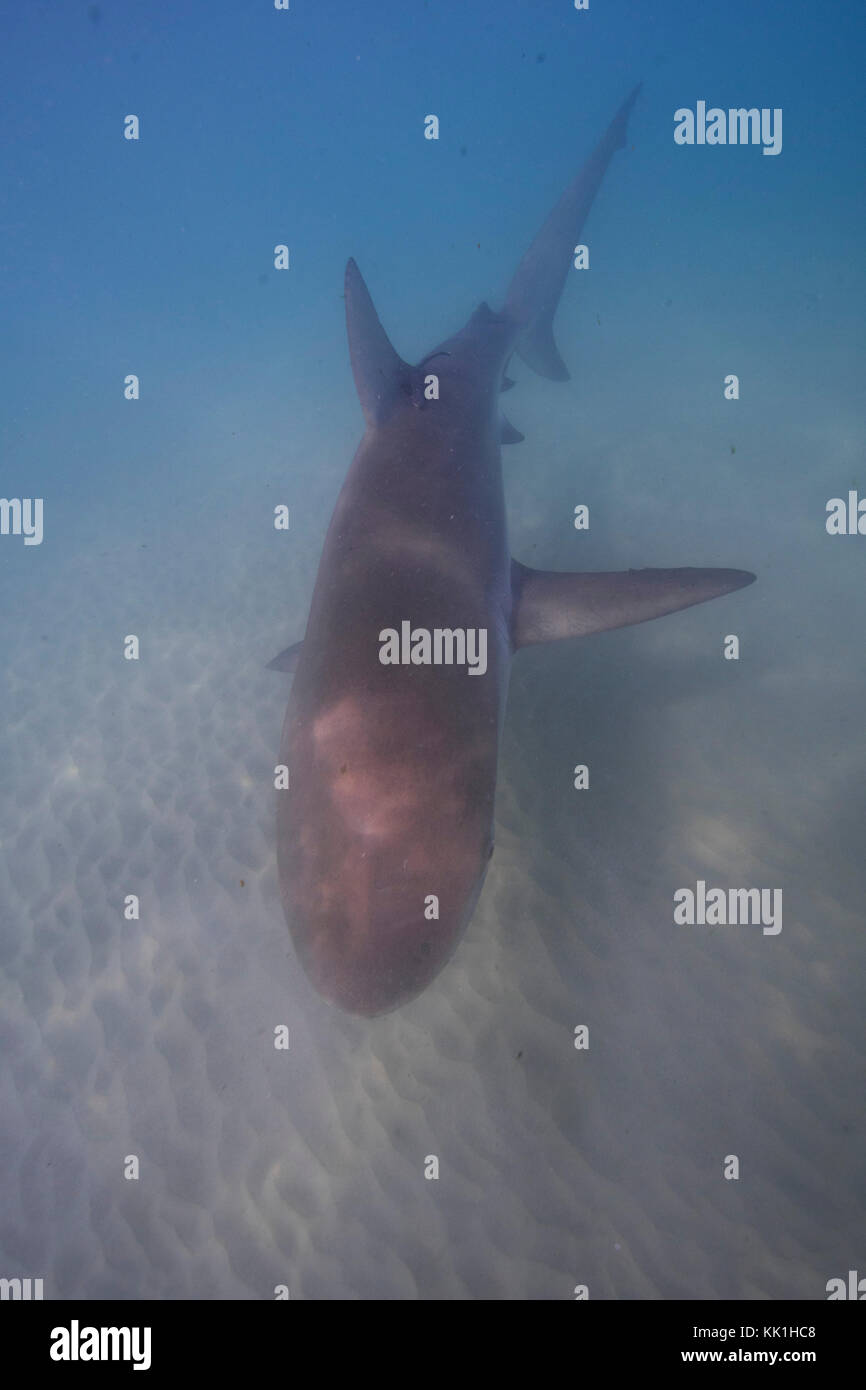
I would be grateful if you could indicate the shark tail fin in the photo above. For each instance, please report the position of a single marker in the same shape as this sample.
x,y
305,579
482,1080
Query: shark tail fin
x,y
534,292
550,606
380,373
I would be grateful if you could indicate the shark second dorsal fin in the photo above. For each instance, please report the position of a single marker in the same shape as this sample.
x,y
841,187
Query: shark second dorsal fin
x,y
508,434
539,351
380,373
550,606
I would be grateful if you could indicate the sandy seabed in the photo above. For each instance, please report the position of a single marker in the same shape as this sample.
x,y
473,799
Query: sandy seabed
x,y
305,1167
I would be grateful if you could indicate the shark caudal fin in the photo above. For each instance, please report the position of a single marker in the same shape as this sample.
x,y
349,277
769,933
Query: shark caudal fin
x,y
534,292
380,373
549,606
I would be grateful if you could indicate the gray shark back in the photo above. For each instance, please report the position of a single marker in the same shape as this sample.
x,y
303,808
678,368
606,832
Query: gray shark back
x,y
386,829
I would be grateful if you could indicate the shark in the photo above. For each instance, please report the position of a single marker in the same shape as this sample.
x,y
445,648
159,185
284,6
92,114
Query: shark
x,y
391,736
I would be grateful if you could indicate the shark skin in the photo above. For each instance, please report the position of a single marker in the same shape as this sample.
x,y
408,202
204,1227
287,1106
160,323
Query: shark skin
x,y
385,832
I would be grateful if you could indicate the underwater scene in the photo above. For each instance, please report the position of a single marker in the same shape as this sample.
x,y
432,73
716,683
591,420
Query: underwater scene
x,y
432,545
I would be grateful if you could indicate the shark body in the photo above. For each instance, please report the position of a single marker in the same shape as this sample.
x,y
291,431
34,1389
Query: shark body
x,y
386,829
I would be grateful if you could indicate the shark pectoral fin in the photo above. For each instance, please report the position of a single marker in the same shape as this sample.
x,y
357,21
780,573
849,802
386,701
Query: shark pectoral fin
x,y
287,660
548,606
380,373
508,434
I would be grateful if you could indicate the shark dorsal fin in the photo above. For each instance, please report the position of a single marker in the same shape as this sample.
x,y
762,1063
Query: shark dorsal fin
x,y
380,373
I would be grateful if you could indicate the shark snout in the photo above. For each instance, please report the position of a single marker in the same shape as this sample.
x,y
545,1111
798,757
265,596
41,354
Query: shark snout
x,y
371,964
374,930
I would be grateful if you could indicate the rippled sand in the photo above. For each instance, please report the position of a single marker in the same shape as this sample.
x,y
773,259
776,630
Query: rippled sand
x,y
557,1167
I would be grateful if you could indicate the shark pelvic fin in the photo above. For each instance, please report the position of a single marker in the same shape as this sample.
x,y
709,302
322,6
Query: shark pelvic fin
x,y
550,606
287,660
380,373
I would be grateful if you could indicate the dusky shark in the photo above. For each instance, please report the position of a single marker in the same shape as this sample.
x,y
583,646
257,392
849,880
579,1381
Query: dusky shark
x,y
385,830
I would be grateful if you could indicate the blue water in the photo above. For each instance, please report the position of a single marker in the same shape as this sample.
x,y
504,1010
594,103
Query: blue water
x,y
155,257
